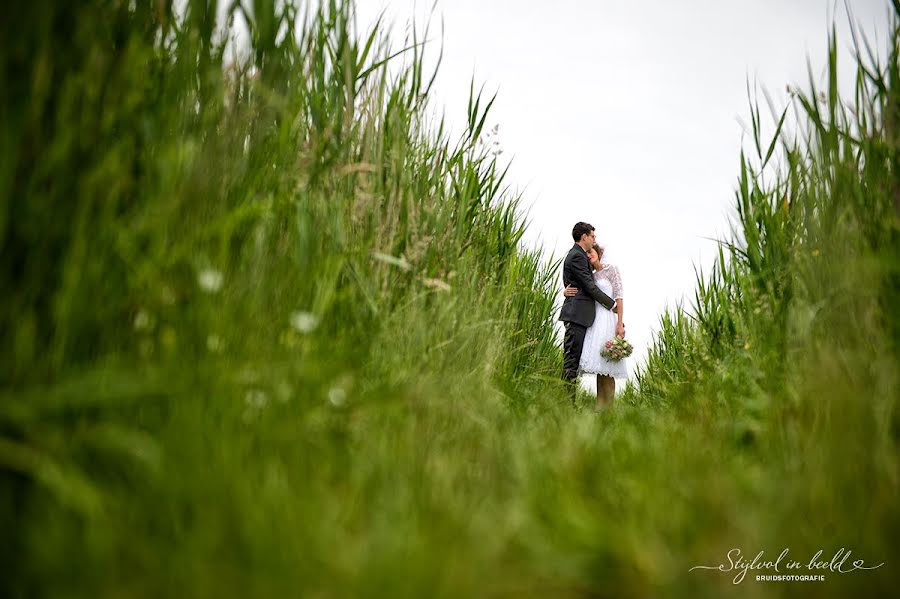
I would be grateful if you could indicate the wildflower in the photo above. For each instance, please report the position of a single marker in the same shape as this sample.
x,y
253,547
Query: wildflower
x,y
304,322
210,280
337,396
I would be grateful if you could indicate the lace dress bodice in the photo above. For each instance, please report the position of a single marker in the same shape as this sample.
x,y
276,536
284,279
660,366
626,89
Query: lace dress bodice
x,y
610,274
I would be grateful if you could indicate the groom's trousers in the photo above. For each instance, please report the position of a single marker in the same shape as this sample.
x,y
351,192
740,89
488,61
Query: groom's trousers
x,y
573,343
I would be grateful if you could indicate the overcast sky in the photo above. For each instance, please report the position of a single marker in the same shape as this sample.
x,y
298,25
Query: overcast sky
x,y
627,114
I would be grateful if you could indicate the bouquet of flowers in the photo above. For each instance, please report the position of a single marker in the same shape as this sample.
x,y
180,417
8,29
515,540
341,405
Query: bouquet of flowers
x,y
616,348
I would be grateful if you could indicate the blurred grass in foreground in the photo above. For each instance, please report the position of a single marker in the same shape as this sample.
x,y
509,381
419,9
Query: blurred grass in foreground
x,y
267,331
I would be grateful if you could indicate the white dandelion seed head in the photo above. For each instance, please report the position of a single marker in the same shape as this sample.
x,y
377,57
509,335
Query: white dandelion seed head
x,y
337,396
210,280
304,322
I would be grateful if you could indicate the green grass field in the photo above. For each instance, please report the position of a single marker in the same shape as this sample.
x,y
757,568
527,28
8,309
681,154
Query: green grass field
x,y
247,351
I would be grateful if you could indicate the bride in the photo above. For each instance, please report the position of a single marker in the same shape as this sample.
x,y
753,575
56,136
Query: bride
x,y
607,325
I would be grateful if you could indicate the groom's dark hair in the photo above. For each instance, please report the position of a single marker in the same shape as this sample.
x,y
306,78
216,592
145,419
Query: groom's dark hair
x,y
580,229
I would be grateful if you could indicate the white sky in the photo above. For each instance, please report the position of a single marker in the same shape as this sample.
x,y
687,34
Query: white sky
x,y
625,114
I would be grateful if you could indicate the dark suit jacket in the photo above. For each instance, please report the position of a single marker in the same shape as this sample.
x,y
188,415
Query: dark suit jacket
x,y
580,307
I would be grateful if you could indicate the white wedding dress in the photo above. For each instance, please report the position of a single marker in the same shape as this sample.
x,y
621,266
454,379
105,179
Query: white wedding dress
x,y
604,328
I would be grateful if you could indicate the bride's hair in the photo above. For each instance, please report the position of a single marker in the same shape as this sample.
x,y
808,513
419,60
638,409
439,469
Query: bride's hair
x,y
596,247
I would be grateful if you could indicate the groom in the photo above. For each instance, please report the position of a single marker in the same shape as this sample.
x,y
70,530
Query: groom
x,y
578,311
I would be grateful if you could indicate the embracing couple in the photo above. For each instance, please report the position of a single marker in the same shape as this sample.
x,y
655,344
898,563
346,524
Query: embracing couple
x,y
592,313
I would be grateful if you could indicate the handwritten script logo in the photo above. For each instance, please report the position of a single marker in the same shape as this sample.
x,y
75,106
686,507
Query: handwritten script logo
x,y
784,564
